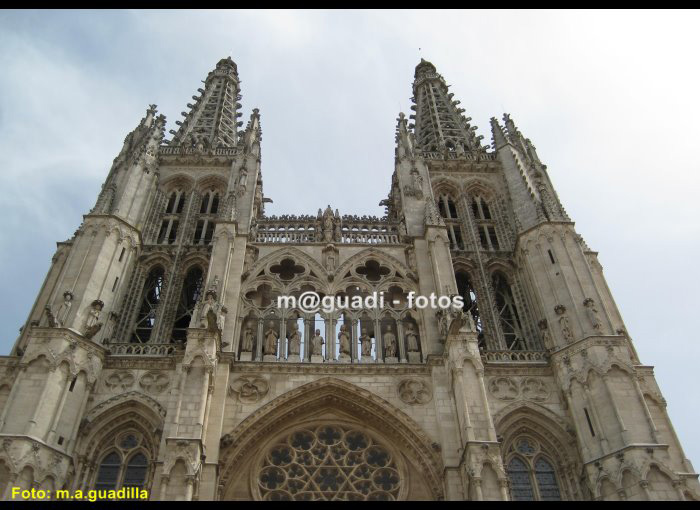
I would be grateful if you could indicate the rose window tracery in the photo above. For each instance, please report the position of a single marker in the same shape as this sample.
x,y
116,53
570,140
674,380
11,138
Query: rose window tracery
x,y
330,462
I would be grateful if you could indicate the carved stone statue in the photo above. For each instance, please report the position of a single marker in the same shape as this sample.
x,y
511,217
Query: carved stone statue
x,y
328,225
411,338
316,343
294,339
248,337
546,336
242,177
271,336
565,328
64,309
111,324
389,342
92,324
592,314
344,340
212,313
366,343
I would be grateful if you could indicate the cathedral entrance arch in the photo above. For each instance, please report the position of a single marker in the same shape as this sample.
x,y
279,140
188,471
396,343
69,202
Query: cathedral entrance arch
x,y
329,440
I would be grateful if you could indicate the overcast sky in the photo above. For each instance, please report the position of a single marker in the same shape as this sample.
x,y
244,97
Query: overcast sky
x,y
610,100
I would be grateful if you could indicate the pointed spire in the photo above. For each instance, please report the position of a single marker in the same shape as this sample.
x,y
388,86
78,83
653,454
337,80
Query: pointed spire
x,y
439,122
213,118
497,134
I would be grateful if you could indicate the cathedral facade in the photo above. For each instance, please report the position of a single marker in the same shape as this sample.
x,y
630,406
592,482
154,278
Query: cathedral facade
x,y
157,355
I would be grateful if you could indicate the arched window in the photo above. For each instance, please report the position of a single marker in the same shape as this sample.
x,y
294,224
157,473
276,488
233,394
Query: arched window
x,y
485,224
466,290
146,318
448,210
204,231
171,220
189,295
508,313
125,465
532,476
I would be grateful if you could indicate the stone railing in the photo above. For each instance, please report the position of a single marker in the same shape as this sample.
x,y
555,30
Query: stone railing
x,y
143,349
351,232
469,156
178,150
515,356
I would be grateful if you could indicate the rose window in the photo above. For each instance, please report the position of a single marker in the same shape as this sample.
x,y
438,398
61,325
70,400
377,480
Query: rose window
x,y
328,463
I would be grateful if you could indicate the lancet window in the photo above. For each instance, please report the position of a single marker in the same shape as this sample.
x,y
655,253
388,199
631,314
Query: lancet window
x,y
124,464
485,224
448,210
171,220
508,313
532,475
209,207
189,296
151,297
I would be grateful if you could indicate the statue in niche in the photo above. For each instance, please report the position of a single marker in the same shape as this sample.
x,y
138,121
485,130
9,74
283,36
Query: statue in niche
x,y
249,258
92,324
271,336
242,178
330,262
411,338
389,342
546,336
328,225
344,340
64,309
248,338
294,338
253,231
212,313
592,314
366,343
111,323
566,328
50,317
316,343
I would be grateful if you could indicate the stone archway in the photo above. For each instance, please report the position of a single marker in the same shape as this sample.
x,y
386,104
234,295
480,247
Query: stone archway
x,y
359,423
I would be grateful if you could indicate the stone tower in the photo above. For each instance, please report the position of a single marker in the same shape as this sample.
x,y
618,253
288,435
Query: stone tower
x,y
157,355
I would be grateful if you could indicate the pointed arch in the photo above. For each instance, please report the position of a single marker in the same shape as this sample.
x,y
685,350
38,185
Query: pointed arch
x,y
330,395
555,439
286,252
373,253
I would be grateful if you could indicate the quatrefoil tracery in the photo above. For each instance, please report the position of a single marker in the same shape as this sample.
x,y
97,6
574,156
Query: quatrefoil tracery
x,y
328,463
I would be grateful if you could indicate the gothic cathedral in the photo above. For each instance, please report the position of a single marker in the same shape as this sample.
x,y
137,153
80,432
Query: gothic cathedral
x,y
157,355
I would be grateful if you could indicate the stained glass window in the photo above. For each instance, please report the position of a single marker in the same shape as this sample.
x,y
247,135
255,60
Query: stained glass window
x,y
329,462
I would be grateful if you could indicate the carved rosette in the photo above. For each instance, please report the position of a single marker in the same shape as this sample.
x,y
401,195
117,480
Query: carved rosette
x,y
415,391
154,382
121,380
249,389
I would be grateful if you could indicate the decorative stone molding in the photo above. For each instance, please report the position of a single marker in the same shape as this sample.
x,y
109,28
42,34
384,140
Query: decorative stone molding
x,y
249,389
154,382
515,388
121,380
415,391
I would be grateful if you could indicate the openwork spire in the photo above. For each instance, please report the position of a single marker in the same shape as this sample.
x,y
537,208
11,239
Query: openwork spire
x,y
439,123
213,118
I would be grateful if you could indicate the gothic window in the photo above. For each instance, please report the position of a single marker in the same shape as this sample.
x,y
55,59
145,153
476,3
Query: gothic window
x,y
146,318
466,290
189,295
330,462
171,220
204,231
448,210
508,313
532,476
125,465
485,224
520,482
